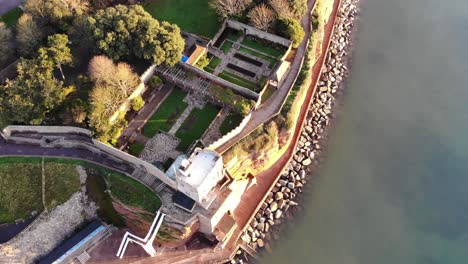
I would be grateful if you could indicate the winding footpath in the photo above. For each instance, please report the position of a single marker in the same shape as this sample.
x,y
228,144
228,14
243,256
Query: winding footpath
x,y
8,149
272,108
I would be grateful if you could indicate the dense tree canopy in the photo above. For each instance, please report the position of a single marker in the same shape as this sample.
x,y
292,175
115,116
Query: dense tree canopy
x,y
291,29
33,93
29,35
6,44
58,51
56,11
121,31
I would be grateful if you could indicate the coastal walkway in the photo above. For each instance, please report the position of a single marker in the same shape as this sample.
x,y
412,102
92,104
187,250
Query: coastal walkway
x,y
275,102
254,197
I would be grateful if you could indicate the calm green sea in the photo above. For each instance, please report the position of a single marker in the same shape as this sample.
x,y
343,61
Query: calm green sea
x,y
394,186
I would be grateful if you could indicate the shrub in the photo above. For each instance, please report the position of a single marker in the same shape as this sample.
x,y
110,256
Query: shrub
x,y
291,29
137,103
202,62
228,97
155,81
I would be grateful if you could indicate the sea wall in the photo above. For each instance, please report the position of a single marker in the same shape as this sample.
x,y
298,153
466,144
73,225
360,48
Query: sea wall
x,y
285,193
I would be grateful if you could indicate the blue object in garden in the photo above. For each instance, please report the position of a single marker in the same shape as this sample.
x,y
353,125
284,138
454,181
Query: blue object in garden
x,y
184,58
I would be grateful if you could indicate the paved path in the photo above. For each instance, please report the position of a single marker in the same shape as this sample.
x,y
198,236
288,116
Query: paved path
x,y
254,197
267,111
7,5
13,149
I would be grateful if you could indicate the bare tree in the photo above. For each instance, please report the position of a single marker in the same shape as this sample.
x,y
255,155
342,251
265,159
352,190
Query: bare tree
x,y
120,77
228,8
28,35
125,78
261,17
100,68
6,43
282,8
36,8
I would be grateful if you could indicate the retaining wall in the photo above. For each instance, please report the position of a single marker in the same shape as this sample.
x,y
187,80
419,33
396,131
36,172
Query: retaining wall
x,y
95,147
249,30
217,80
233,133
139,90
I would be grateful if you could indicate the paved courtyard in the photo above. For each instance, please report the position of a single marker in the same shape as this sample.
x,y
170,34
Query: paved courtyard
x,y
161,147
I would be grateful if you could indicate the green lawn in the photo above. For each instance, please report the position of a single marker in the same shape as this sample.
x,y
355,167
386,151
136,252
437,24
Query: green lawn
x,y
25,175
234,35
132,192
195,125
11,17
215,61
227,45
167,113
268,49
20,191
194,16
136,148
62,180
231,122
239,81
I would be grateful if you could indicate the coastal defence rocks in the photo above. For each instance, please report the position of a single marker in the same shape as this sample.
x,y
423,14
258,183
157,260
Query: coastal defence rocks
x,y
290,185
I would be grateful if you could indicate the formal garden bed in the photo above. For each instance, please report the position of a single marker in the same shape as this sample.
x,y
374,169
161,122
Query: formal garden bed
x,y
167,114
195,125
264,46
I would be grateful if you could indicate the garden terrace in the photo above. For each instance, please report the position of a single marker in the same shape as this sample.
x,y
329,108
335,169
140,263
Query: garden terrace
x,y
195,125
241,70
198,81
245,56
167,114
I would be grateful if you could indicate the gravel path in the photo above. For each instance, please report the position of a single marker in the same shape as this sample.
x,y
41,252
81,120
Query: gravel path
x,y
160,148
47,232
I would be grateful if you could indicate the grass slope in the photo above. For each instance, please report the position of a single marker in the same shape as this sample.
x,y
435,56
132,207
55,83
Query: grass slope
x,y
132,192
195,125
61,181
21,188
167,113
194,16
20,191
